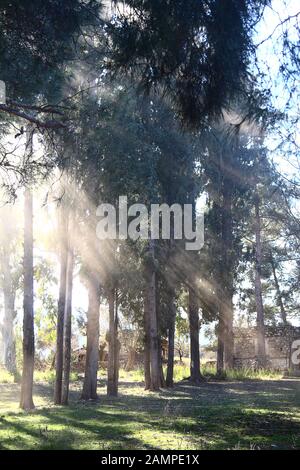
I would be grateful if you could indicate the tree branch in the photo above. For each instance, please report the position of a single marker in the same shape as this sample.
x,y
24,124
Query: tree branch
x,y
49,124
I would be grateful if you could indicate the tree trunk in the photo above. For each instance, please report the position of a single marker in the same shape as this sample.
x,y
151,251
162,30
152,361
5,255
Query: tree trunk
x,y
67,328
117,344
147,344
278,292
227,274
160,365
155,372
89,391
7,329
229,342
260,322
26,401
63,232
180,356
194,337
171,342
130,364
220,347
113,349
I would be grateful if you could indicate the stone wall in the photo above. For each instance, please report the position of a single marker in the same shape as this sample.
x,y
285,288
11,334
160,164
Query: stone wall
x,y
278,346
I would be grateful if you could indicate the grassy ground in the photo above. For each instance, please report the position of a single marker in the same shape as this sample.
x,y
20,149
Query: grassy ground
x,y
230,414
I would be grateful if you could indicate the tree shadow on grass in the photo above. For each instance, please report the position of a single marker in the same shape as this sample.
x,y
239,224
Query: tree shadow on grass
x,y
64,428
214,415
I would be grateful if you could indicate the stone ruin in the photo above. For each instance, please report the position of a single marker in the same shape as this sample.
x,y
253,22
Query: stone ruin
x,y
279,347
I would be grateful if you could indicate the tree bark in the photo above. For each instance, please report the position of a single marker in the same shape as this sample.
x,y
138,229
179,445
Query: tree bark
x,y
130,364
113,347
7,329
220,346
67,328
89,391
160,364
26,401
229,342
260,321
153,327
117,344
171,342
147,344
278,292
194,337
227,268
63,232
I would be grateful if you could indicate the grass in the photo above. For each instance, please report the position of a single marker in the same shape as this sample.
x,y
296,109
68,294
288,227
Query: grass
x,y
181,372
242,373
230,414
6,377
250,374
48,376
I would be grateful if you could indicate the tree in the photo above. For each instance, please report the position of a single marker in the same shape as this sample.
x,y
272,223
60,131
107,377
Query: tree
x,y
45,314
182,334
42,37
260,321
193,310
26,400
63,235
267,221
171,339
89,391
113,344
279,296
204,67
10,276
68,323
147,364
225,163
151,313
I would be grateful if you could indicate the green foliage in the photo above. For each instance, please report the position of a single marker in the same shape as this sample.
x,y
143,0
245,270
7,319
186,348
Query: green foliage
x,y
46,309
204,66
37,38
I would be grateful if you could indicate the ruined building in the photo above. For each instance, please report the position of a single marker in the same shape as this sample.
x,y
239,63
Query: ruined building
x,y
280,346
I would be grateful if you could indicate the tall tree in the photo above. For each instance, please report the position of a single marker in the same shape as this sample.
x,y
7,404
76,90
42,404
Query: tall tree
x,y
193,310
9,281
204,67
260,319
279,296
147,364
151,311
171,338
26,400
113,344
7,328
89,391
41,37
68,324
63,237
225,165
